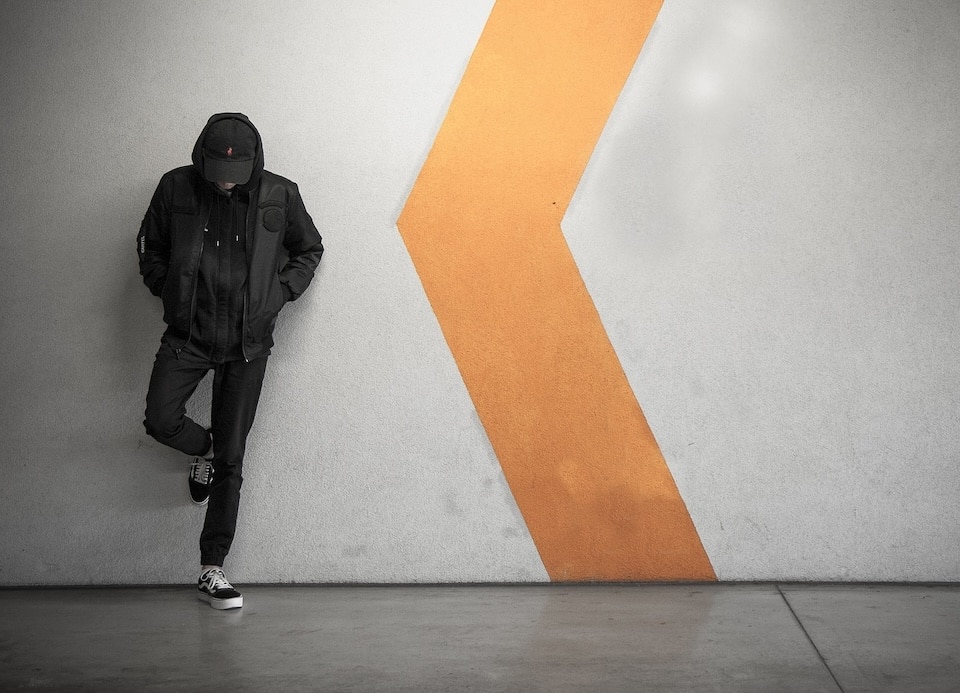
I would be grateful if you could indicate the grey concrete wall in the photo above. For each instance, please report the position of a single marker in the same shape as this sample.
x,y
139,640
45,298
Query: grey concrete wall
x,y
768,228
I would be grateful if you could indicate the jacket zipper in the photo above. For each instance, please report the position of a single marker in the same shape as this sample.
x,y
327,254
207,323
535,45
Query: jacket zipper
x,y
252,205
196,275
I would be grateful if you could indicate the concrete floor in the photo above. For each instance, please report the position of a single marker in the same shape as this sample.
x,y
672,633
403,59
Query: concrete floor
x,y
718,637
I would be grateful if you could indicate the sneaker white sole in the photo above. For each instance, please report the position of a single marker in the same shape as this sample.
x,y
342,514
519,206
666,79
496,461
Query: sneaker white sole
x,y
233,603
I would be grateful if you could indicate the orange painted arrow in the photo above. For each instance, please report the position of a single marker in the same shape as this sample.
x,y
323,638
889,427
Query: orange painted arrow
x,y
482,226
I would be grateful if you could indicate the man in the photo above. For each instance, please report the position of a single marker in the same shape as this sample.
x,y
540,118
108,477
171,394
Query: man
x,y
225,244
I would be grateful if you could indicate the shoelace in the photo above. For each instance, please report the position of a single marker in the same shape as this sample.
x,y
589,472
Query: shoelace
x,y
216,580
202,471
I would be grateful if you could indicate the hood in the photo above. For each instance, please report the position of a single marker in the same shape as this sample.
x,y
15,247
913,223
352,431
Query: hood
x,y
258,161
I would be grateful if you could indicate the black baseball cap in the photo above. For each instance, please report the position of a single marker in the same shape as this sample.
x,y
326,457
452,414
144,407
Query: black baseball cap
x,y
229,151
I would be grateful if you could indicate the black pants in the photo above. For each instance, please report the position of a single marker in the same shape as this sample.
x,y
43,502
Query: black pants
x,y
236,392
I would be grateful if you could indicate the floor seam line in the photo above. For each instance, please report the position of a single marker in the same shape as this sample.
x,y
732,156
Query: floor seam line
x,y
809,639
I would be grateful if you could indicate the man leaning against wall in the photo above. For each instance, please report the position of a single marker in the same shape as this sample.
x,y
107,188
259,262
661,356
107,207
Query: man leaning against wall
x,y
225,244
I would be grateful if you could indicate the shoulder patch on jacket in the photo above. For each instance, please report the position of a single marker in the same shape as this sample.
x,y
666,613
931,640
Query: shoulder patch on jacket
x,y
272,202
273,217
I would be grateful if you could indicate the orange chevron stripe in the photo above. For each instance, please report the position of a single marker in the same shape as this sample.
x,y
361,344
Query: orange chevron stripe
x,y
482,226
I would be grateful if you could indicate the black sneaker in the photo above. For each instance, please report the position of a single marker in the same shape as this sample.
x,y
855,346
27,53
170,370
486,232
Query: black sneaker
x,y
201,476
213,588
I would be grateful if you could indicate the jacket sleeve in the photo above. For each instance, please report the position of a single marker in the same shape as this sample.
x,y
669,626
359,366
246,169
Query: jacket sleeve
x,y
304,248
153,242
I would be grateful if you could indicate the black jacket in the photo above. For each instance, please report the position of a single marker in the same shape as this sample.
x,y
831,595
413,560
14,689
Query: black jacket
x,y
283,246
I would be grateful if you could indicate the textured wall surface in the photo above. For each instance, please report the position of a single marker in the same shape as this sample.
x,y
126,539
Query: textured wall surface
x,y
768,229
483,228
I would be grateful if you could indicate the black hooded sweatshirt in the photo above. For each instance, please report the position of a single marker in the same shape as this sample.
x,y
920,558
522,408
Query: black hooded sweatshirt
x,y
217,325
224,265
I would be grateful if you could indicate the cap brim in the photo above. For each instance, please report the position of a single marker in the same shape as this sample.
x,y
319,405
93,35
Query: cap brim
x,y
220,171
